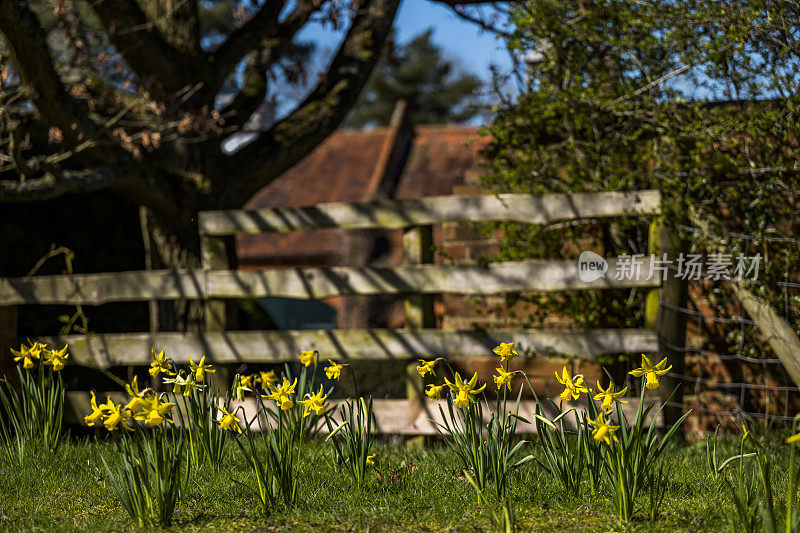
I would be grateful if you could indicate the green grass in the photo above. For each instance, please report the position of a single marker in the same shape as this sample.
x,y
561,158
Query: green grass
x,y
68,491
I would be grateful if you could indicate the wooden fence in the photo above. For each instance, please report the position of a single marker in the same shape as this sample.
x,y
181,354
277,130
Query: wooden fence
x,y
417,280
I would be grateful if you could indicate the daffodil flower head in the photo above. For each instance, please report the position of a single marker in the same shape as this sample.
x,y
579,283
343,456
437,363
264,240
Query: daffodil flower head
x,y
503,378
229,420
609,396
248,380
309,357
200,369
370,460
603,431
155,412
116,415
98,412
793,439
651,372
180,382
426,367
434,392
462,399
132,388
281,394
161,363
56,358
506,351
267,378
314,402
573,385
240,386
139,403
28,354
333,370
465,390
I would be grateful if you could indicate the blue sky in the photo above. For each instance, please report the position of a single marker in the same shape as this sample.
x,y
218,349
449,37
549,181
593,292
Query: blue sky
x,y
463,40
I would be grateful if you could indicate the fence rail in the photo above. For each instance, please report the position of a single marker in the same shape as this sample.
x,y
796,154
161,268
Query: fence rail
x,y
417,280
395,214
309,283
114,349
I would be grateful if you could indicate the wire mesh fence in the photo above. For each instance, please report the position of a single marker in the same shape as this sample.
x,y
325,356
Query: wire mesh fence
x,y
731,373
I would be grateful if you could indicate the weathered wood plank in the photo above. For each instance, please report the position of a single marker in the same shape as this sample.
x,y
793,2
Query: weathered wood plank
x,y
312,283
524,208
105,350
779,335
97,289
392,417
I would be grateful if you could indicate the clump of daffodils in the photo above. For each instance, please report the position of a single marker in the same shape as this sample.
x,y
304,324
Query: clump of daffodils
x,y
31,412
36,352
143,406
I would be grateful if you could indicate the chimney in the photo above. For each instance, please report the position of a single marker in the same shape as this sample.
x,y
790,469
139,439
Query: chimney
x,y
393,153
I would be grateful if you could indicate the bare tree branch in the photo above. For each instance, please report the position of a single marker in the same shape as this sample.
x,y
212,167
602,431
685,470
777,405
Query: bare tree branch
x,y
33,62
264,25
291,138
163,70
52,185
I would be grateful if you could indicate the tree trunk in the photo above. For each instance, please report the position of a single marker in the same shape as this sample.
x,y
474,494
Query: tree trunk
x,y
170,249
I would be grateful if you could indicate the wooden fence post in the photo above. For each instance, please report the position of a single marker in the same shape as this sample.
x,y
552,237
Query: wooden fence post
x,y
665,242
417,249
214,256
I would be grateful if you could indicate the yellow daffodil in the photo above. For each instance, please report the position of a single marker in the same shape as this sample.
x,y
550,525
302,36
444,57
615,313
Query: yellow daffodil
x,y
248,381
132,388
370,460
503,378
651,372
573,386
200,369
116,415
745,432
505,350
313,402
179,382
139,398
56,358
792,439
156,412
609,396
333,370
139,403
229,420
462,399
267,378
434,392
309,357
161,363
97,413
603,430
426,367
465,390
241,386
28,354
281,394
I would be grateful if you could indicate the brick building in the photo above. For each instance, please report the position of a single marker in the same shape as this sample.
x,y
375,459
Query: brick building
x,y
399,161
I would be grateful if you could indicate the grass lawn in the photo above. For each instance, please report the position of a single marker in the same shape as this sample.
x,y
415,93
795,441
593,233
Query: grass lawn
x,y
68,491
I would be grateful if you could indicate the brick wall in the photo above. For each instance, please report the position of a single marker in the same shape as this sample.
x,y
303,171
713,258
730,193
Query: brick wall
x,y
461,244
